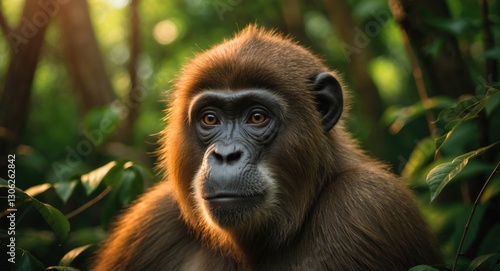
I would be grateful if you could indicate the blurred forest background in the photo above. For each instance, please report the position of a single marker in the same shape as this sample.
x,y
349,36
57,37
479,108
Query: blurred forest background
x,y
83,85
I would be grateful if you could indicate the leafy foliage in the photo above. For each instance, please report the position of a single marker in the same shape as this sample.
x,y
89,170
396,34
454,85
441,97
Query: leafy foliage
x,y
123,178
450,170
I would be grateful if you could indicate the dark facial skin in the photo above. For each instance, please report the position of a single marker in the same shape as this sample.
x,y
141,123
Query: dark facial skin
x,y
235,130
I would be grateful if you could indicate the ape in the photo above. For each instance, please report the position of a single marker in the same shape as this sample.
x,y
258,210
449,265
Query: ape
x,y
261,175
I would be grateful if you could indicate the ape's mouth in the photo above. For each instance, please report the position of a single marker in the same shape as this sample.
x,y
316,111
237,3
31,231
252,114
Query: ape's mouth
x,y
227,199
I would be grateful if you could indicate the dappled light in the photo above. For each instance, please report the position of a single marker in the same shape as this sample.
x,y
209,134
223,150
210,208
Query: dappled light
x,y
165,32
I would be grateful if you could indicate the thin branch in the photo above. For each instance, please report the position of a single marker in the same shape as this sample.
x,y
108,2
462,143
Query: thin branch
x,y
420,83
467,225
89,203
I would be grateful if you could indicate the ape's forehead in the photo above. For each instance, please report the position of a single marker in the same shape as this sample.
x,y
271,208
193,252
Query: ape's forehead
x,y
252,59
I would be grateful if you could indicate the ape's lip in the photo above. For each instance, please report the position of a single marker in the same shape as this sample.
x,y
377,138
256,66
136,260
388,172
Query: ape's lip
x,y
233,199
230,196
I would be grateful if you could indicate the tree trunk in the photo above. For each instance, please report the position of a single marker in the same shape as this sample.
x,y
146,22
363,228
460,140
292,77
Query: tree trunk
x,y
447,73
135,93
26,42
85,59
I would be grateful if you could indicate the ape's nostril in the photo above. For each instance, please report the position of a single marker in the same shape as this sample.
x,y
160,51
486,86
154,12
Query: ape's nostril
x,y
234,157
218,157
227,158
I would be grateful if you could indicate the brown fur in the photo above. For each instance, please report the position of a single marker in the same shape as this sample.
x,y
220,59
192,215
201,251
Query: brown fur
x,y
337,209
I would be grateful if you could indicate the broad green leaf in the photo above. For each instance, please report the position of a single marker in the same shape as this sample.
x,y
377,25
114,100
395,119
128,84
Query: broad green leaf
x,y
26,261
423,152
441,175
131,186
423,268
37,189
71,255
65,189
113,177
54,218
459,140
93,179
483,262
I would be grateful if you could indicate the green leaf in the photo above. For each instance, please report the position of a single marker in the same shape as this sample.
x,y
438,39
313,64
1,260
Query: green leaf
x,y
26,261
423,152
65,189
400,117
483,262
93,179
441,175
72,255
131,186
114,175
465,110
423,268
54,218
454,116
37,189
100,123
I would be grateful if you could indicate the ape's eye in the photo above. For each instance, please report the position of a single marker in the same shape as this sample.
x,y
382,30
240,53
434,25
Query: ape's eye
x,y
210,119
257,118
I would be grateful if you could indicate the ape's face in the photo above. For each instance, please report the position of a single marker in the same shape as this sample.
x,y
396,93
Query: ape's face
x,y
248,131
235,186
235,130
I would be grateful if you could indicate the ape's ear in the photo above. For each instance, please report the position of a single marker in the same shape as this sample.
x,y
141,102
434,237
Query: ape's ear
x,y
329,101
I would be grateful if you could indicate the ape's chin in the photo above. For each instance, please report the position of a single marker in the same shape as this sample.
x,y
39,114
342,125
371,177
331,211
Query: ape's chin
x,y
233,211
